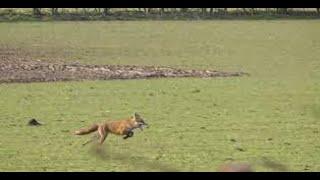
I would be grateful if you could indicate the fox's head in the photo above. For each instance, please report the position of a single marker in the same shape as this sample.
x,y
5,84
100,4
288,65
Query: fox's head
x,y
140,121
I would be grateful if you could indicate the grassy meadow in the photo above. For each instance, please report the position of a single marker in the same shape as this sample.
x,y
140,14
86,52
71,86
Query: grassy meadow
x,y
195,124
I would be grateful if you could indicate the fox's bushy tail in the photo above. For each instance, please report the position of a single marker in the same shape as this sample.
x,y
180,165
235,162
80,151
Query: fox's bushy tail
x,y
83,131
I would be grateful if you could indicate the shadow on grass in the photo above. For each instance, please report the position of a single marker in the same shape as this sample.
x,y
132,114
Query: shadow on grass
x,y
138,161
273,165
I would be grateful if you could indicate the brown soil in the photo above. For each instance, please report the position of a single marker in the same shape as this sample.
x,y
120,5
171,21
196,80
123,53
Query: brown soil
x,y
16,69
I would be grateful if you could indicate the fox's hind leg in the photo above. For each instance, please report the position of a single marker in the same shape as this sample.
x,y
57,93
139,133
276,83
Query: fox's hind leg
x,y
103,135
103,138
95,137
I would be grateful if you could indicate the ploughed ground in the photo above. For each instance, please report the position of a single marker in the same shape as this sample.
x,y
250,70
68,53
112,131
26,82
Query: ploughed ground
x,y
17,69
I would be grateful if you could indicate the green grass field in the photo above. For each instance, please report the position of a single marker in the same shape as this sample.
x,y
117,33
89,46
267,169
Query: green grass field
x,y
273,113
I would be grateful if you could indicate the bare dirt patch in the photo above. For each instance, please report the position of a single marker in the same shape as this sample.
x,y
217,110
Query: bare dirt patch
x,y
17,69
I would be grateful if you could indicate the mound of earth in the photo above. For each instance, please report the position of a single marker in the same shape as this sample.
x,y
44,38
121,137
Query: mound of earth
x,y
34,122
37,71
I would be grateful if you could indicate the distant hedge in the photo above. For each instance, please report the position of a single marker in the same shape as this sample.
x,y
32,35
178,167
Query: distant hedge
x,y
15,14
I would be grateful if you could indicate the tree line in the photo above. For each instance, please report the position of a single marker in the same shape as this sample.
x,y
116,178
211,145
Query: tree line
x,y
204,11
200,12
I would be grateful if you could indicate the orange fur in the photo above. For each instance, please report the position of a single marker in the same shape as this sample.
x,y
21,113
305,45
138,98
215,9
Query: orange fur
x,y
119,127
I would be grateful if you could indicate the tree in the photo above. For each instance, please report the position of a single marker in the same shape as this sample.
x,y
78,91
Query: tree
x,y
285,10
85,10
37,11
54,11
106,11
173,10
252,11
282,10
267,10
244,10
184,10
211,11
161,11
204,11
147,10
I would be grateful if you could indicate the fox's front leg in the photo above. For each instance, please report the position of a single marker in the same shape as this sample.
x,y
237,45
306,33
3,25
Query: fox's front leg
x,y
128,133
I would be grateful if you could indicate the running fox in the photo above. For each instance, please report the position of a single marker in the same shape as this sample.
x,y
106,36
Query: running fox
x,y
121,127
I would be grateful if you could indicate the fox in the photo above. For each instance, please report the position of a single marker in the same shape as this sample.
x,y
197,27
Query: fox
x,y
123,128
